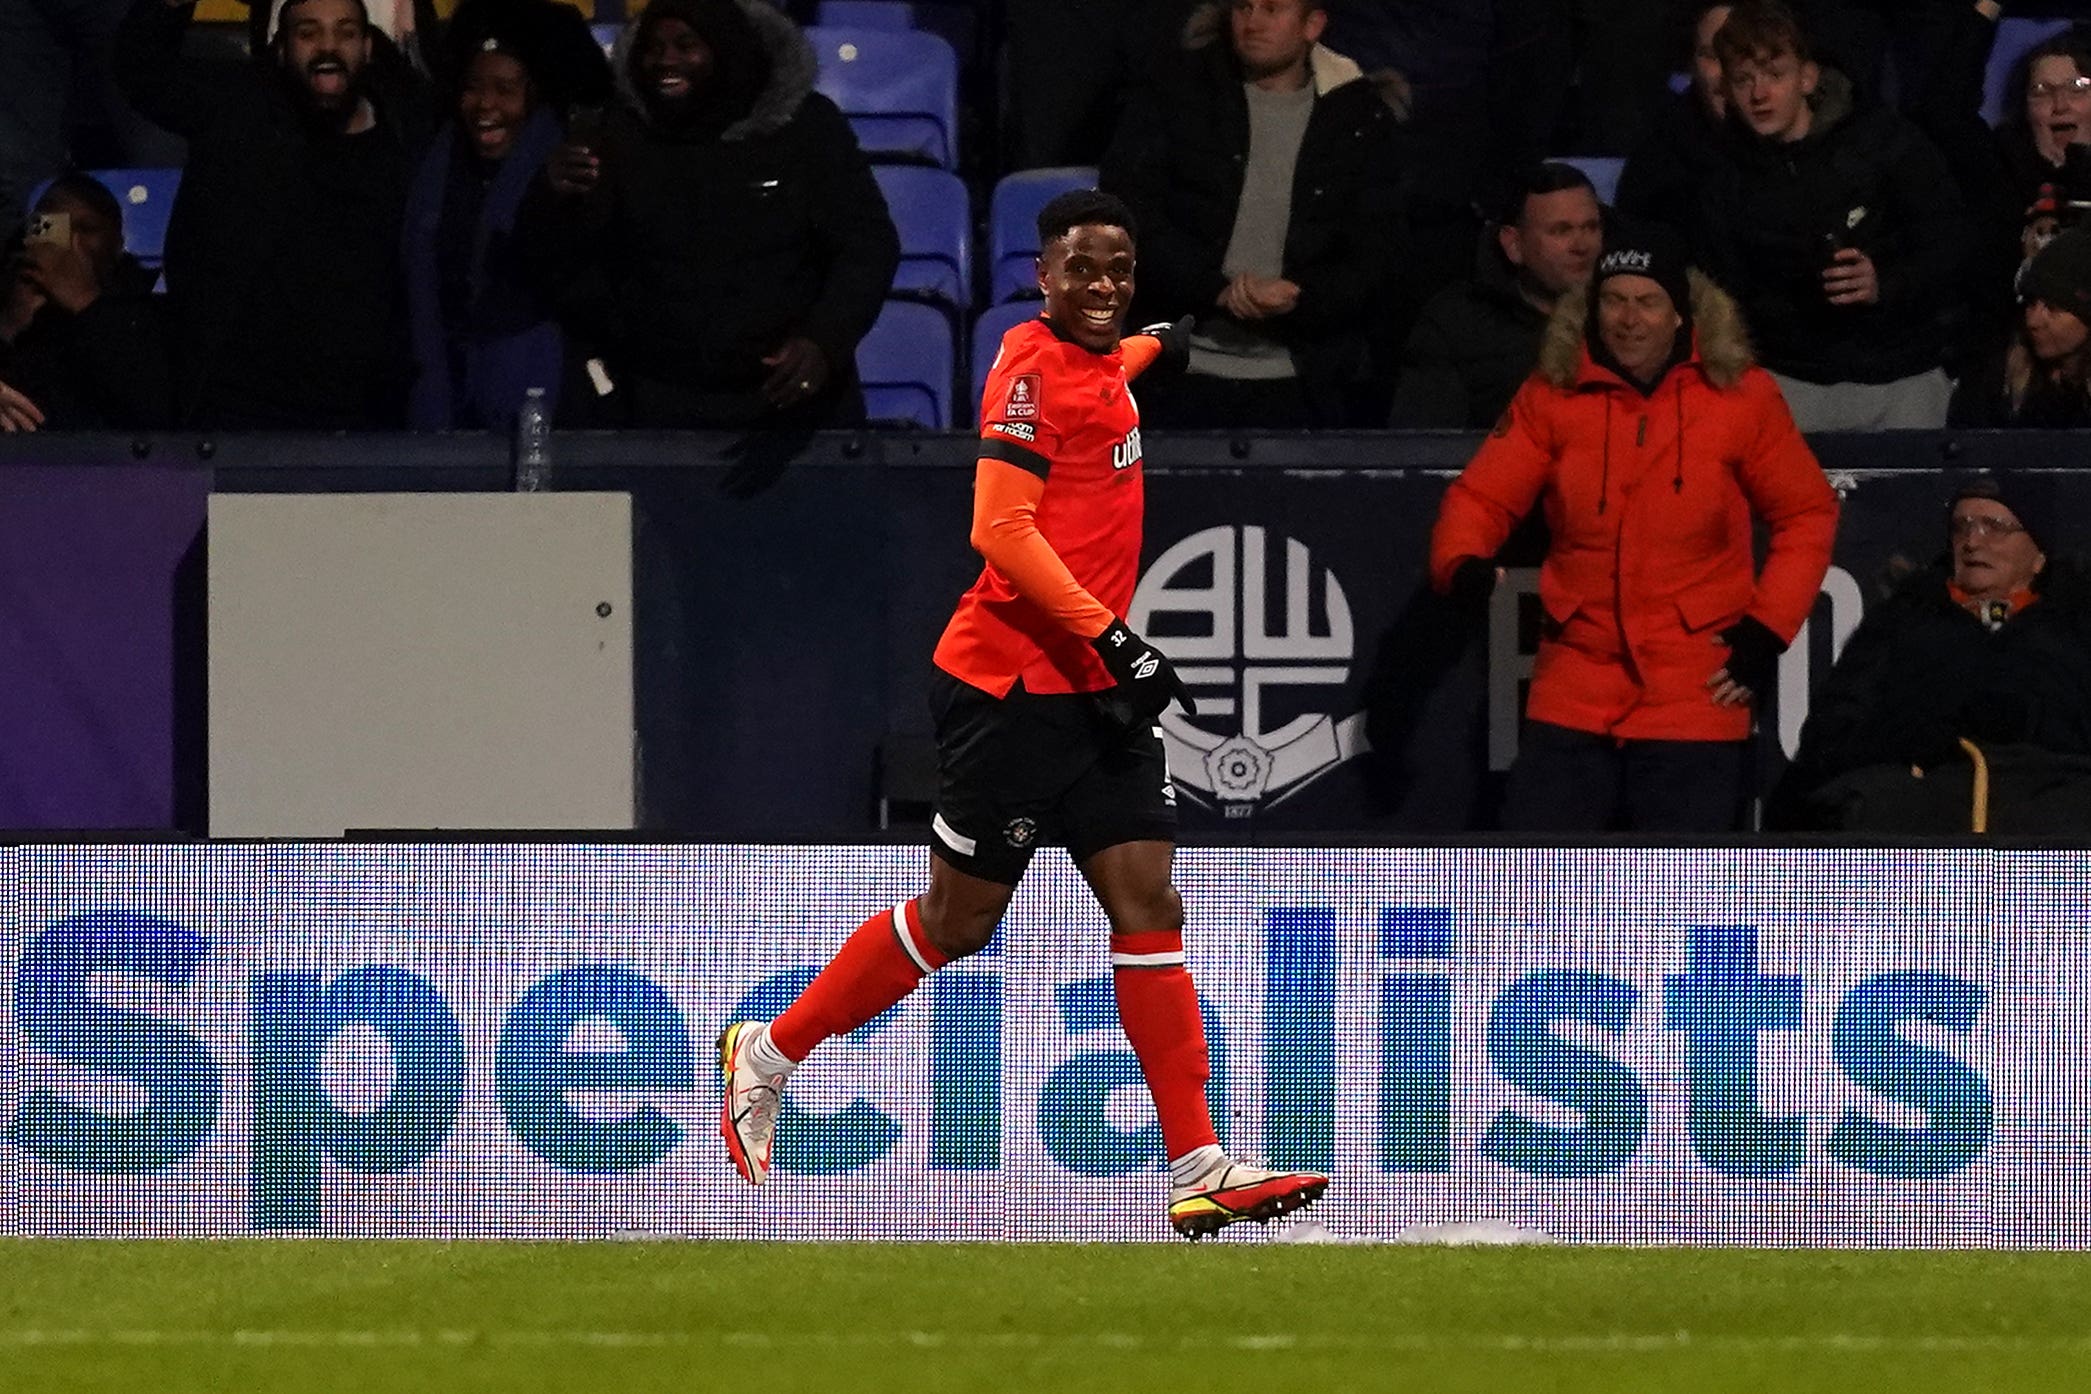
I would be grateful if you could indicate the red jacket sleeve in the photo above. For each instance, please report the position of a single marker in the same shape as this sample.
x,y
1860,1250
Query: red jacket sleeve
x,y
1497,488
1787,491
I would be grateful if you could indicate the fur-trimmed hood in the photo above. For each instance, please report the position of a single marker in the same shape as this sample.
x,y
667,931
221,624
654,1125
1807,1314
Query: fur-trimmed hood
x,y
1206,26
793,67
1720,342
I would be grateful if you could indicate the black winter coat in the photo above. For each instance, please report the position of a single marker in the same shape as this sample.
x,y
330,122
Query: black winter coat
x,y
698,253
104,368
1178,162
1869,177
1921,672
1471,349
1982,401
282,249
1662,180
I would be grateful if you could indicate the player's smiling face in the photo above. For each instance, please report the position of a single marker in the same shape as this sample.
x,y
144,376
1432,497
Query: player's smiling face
x,y
1086,276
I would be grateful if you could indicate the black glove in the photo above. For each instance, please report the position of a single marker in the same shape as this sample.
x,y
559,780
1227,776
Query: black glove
x,y
1473,582
1144,676
1753,654
1175,340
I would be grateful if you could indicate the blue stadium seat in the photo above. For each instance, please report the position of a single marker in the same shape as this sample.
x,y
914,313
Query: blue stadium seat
x,y
1012,225
936,233
906,363
865,14
1603,171
147,196
2014,38
899,89
994,322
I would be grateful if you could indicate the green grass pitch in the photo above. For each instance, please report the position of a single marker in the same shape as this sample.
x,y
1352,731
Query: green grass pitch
x,y
291,1316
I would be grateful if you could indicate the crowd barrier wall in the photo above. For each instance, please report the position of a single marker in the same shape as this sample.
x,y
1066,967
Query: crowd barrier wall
x,y
784,616
1738,1045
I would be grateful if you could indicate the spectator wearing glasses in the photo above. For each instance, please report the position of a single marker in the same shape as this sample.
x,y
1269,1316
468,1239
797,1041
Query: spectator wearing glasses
x,y
1839,230
2019,179
1992,643
2042,378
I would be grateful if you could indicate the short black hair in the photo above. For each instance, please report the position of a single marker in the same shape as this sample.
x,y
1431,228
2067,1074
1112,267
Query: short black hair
x,y
1535,180
89,192
283,8
1080,207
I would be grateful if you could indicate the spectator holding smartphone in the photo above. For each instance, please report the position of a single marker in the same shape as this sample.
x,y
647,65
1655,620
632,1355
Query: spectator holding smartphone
x,y
80,330
482,335
717,250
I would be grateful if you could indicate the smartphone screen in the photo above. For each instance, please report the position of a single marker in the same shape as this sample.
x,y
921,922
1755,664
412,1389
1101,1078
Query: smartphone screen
x,y
56,229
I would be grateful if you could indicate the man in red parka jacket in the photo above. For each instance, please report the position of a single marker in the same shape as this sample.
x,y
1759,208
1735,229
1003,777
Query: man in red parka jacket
x,y
1653,442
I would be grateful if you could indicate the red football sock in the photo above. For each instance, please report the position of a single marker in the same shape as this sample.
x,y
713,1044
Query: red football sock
x,y
1158,1007
875,967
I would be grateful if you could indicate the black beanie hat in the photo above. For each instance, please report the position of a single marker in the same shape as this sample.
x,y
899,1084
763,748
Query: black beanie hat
x,y
1646,249
2029,496
2060,274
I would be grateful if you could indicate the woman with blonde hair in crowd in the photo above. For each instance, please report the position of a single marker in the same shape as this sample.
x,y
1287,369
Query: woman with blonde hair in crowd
x,y
2042,377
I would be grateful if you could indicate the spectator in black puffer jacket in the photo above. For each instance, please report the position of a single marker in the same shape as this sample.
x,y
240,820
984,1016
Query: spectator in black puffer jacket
x,y
1993,644
1839,231
718,248
1476,343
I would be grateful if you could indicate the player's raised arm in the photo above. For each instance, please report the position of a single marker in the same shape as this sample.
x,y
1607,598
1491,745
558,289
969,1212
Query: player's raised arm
x,y
1163,347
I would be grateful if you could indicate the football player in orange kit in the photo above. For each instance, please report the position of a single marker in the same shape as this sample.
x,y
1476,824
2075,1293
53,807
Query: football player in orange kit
x,y
1046,706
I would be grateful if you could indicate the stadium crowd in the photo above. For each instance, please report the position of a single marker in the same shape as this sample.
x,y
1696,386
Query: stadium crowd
x,y
406,217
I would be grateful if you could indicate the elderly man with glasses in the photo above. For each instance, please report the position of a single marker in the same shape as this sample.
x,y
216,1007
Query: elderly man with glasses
x,y
1990,646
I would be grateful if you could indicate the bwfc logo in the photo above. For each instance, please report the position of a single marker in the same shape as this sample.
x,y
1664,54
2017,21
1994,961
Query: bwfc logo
x,y
1285,672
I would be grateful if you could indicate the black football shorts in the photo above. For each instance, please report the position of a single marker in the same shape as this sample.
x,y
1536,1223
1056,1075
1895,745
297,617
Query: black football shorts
x,y
1041,769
